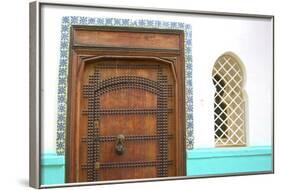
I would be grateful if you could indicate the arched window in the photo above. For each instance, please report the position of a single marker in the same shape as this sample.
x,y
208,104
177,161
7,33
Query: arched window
x,y
229,102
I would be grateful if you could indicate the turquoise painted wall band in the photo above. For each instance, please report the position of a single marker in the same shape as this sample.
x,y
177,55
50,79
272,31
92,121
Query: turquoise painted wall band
x,y
199,162
229,160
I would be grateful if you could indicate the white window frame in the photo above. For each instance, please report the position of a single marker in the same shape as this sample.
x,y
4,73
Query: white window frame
x,y
228,78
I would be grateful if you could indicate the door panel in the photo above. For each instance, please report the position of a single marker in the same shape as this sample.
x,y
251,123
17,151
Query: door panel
x,y
134,150
128,98
121,38
124,114
132,124
128,173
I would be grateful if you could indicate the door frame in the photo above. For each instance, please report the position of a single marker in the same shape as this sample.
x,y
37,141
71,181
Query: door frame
x,y
79,54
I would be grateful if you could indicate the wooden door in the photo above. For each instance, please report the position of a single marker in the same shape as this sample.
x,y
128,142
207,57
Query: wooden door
x,y
125,106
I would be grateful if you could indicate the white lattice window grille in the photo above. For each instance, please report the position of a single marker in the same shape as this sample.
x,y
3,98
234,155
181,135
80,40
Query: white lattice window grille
x,y
229,103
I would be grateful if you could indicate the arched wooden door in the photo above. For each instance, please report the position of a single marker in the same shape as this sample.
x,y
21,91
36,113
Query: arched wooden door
x,y
124,123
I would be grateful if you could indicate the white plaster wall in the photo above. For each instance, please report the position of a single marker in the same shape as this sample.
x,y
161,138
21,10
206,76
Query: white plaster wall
x,y
250,39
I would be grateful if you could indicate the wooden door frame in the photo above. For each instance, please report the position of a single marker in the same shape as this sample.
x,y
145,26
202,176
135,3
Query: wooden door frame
x,y
79,53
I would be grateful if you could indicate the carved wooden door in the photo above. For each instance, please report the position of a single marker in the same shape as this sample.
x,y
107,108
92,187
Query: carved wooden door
x,y
123,118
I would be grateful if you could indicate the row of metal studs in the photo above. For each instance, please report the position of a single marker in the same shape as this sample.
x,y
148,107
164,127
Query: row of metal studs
x,y
127,138
162,125
129,164
128,111
88,89
93,130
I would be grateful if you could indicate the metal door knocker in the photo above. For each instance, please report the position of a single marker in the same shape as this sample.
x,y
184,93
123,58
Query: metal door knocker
x,y
119,144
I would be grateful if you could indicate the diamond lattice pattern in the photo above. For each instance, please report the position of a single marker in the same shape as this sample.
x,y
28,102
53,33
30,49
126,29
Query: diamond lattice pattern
x,y
229,106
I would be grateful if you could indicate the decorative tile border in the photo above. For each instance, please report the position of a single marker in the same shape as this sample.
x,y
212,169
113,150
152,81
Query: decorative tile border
x,y
68,21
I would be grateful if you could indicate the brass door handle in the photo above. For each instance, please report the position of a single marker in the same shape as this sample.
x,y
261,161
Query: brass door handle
x,y
119,144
